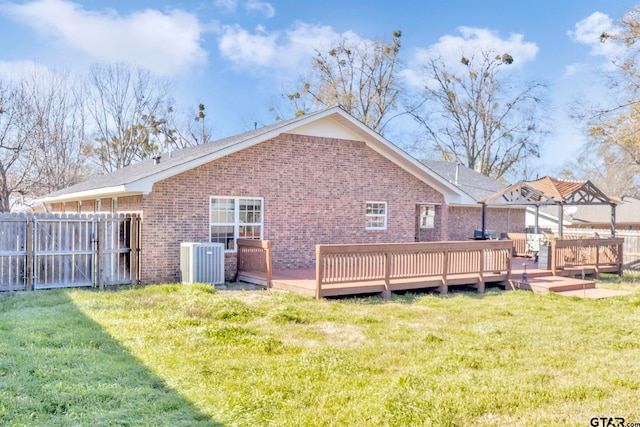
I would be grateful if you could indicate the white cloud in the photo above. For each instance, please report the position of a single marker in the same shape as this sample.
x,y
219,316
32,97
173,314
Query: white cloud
x,y
245,49
573,69
166,43
260,6
588,31
471,41
226,5
285,51
19,70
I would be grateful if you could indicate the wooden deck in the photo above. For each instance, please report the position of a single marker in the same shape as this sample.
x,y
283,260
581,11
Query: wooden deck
x,y
525,275
303,282
386,268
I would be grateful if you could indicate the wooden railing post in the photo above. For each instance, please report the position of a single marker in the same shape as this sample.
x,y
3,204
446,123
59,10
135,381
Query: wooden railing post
x,y
509,258
239,258
620,257
268,246
597,246
480,287
554,256
386,294
318,271
444,288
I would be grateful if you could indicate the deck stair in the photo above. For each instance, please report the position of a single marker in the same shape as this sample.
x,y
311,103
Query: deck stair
x,y
557,284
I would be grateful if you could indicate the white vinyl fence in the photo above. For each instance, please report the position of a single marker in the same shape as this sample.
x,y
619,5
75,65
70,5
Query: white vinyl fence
x,y
630,249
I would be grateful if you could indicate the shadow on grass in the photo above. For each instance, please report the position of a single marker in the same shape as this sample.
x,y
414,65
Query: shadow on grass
x,y
58,367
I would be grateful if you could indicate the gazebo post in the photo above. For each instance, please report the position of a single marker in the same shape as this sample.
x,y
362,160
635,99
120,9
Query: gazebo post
x,y
613,220
560,219
484,221
537,228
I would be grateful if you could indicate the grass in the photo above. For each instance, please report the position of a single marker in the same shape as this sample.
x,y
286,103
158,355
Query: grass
x,y
191,355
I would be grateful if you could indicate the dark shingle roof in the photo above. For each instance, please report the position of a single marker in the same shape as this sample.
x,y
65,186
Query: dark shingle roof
x,y
475,184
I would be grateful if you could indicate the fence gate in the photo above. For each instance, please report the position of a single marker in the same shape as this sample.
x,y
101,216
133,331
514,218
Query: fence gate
x,y
13,253
47,251
63,252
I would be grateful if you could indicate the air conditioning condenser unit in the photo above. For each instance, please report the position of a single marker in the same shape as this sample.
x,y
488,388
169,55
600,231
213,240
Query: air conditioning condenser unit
x,y
202,262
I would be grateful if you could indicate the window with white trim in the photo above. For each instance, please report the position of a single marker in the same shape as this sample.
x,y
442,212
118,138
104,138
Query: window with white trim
x,y
233,218
427,216
376,215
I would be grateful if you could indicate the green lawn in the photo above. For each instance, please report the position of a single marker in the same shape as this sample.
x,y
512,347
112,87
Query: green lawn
x,y
189,355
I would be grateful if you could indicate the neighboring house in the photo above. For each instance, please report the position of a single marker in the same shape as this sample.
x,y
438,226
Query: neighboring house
x,y
589,216
318,179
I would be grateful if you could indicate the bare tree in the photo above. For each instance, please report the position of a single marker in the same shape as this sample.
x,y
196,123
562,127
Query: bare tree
x,y
188,129
615,126
608,167
360,77
16,130
478,117
127,105
58,135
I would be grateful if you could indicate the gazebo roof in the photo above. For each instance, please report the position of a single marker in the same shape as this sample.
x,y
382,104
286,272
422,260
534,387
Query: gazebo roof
x,y
549,191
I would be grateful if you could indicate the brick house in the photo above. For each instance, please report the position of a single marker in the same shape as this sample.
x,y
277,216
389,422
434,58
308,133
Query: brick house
x,y
317,179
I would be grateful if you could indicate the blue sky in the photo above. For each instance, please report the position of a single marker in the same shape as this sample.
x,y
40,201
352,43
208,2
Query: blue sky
x,y
239,56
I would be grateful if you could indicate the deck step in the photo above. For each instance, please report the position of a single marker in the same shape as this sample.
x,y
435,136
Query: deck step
x,y
544,285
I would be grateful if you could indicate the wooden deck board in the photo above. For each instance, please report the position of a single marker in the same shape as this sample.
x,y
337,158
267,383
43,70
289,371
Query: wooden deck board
x,y
303,282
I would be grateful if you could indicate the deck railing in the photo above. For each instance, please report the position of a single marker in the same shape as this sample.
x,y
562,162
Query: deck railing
x,y
523,243
389,262
603,255
254,256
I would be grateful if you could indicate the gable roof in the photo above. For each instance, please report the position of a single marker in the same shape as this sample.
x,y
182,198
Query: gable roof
x,y
550,191
140,177
475,184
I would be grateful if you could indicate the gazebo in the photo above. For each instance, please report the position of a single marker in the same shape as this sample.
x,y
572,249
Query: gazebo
x,y
550,191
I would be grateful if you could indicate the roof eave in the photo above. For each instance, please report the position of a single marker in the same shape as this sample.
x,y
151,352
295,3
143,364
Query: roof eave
x,y
100,193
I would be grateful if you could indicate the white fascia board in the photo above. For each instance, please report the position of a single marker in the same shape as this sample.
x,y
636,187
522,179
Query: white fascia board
x,y
105,192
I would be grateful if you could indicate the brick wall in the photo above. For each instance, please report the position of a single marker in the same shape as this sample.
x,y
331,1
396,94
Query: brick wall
x,y
314,191
129,204
462,221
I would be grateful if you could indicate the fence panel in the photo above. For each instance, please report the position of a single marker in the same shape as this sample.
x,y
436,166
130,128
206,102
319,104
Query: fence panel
x,y
54,251
116,236
63,252
13,253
